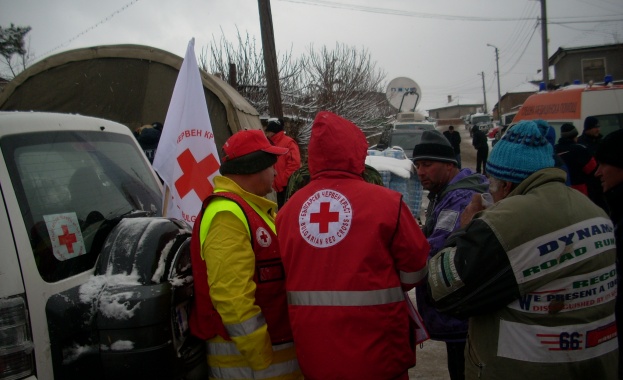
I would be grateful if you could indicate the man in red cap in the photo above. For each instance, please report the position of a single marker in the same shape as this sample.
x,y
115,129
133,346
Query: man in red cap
x,y
240,305
350,250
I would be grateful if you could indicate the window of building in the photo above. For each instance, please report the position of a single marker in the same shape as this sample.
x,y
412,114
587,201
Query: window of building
x,y
593,69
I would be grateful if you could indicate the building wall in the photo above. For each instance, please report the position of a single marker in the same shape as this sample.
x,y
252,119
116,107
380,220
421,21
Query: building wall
x,y
569,67
510,101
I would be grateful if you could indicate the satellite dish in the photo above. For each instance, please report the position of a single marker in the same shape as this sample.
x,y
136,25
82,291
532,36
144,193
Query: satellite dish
x,y
403,94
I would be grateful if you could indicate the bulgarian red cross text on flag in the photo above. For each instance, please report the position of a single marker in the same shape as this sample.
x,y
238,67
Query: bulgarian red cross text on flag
x,y
187,158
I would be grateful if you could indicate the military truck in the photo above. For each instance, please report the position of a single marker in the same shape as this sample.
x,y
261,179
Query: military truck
x,y
94,282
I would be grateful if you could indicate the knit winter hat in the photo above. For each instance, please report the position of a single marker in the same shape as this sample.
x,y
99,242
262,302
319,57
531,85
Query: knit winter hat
x,y
547,131
568,131
609,151
521,152
590,123
275,125
434,146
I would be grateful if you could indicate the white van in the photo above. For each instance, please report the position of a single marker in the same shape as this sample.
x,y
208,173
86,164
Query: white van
x,y
573,104
94,282
412,121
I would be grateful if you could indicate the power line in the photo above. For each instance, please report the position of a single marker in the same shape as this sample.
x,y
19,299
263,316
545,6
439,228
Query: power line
x,y
523,52
529,9
397,12
101,22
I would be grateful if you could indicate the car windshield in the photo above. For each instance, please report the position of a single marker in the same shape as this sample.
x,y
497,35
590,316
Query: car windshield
x,y
406,140
480,119
72,187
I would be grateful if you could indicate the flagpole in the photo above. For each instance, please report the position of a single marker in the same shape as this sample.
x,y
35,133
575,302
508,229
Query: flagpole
x,y
165,203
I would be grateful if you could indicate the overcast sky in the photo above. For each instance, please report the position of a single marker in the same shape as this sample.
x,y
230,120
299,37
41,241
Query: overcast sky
x,y
440,44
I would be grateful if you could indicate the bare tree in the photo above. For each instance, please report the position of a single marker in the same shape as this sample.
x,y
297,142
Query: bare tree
x,y
344,80
247,58
15,54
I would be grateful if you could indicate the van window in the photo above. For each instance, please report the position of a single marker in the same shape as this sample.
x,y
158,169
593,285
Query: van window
x,y
608,123
72,188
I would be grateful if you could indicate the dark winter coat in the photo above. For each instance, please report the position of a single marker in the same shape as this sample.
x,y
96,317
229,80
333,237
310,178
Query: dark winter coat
x,y
442,218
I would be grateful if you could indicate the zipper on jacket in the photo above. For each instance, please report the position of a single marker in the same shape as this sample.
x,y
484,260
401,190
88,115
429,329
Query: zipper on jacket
x,y
473,357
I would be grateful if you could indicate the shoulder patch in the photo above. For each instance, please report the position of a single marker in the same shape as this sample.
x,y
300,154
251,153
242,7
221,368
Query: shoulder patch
x,y
262,237
447,220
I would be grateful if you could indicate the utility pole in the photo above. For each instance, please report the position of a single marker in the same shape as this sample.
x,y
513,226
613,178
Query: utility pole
x,y
497,67
544,53
270,59
484,92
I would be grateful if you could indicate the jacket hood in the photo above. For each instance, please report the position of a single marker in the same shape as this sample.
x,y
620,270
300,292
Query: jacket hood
x,y
336,144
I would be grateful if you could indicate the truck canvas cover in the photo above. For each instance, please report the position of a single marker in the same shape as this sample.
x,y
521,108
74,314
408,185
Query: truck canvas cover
x,y
129,84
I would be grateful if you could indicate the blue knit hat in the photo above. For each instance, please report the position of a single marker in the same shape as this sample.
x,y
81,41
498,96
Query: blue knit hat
x,y
522,151
547,131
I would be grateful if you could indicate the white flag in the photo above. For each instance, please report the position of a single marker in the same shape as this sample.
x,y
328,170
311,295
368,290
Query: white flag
x,y
187,158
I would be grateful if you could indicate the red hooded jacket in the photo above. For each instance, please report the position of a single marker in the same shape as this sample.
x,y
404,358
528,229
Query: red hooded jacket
x,y
286,164
349,249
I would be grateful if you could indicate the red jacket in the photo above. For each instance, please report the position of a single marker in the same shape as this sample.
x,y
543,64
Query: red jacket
x,y
349,249
287,163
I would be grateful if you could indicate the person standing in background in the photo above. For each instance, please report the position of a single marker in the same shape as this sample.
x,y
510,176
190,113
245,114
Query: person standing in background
x,y
581,165
287,163
480,143
610,172
591,136
148,138
455,140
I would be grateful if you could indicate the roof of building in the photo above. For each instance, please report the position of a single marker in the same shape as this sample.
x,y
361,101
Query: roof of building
x,y
562,51
524,87
463,102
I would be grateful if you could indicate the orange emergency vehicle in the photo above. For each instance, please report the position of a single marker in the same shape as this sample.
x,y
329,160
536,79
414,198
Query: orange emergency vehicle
x,y
573,104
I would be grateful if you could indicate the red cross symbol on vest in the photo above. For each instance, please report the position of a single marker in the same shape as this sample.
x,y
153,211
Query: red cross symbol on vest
x,y
195,174
324,217
67,239
263,236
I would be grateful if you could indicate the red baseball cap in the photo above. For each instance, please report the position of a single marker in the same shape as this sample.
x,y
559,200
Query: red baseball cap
x,y
249,141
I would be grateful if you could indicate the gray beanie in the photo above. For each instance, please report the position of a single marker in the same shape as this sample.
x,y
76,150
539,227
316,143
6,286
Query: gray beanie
x,y
434,146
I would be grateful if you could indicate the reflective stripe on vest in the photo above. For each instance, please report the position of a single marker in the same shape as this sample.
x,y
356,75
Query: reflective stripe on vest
x,y
229,348
413,278
247,327
346,298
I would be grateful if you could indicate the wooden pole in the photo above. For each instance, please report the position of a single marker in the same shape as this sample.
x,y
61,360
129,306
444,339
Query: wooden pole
x,y
270,59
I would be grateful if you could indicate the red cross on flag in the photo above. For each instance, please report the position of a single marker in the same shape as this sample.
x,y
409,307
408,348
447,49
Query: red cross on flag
x,y
187,158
